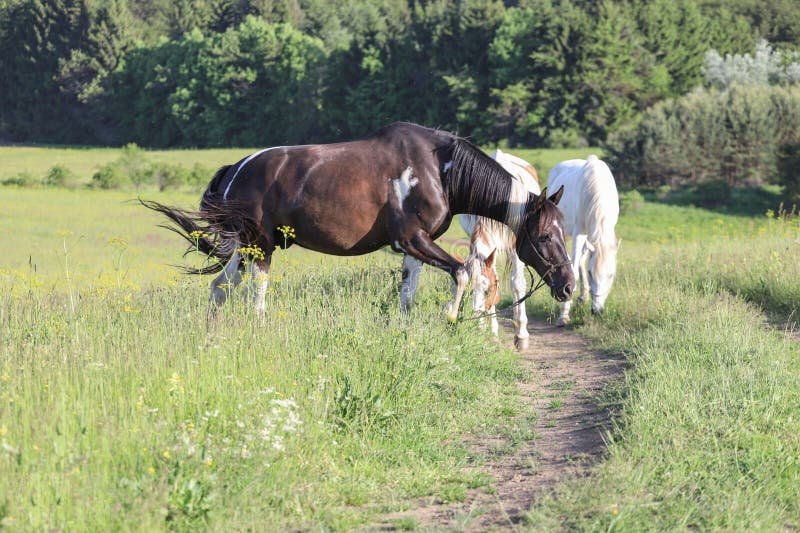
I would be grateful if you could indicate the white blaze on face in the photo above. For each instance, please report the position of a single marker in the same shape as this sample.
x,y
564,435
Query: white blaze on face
x,y
404,184
560,229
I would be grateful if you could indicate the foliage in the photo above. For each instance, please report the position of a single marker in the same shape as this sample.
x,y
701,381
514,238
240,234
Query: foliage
x,y
260,72
736,136
765,66
59,176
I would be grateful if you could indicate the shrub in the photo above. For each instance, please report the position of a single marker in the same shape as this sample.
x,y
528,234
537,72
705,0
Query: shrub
x,y
630,202
789,168
735,136
133,163
110,176
22,179
59,176
566,138
169,176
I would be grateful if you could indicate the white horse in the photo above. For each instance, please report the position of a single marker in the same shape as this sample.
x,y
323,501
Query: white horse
x,y
591,208
487,237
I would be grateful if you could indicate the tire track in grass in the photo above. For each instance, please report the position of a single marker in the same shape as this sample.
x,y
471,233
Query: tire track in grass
x,y
564,380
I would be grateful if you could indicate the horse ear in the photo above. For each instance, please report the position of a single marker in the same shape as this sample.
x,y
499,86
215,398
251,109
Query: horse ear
x,y
540,198
557,196
490,260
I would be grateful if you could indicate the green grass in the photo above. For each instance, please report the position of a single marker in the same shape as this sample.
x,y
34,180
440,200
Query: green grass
x,y
121,408
707,435
84,161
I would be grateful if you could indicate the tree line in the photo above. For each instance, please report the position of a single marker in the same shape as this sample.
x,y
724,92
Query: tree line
x,y
166,73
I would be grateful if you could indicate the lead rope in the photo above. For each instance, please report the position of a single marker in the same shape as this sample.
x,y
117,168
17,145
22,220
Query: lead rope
x,y
551,267
534,288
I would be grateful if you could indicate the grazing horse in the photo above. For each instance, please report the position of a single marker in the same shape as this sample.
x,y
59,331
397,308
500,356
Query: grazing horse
x,y
400,186
487,238
591,208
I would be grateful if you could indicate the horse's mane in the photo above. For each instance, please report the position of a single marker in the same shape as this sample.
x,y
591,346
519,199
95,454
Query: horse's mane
x,y
600,205
474,180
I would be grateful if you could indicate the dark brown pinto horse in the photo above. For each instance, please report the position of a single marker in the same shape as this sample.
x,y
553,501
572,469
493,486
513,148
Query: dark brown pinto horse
x,y
401,186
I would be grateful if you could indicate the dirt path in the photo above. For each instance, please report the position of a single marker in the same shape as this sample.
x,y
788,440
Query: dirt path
x,y
565,378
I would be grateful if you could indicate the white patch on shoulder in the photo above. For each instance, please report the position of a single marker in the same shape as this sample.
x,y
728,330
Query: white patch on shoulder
x,y
448,166
404,184
240,167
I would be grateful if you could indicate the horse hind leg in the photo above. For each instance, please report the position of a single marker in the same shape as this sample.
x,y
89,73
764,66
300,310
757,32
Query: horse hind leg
x,y
258,270
408,287
221,287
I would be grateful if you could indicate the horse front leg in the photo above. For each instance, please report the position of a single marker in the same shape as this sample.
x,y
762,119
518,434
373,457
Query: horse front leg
x,y
422,247
578,245
519,286
408,287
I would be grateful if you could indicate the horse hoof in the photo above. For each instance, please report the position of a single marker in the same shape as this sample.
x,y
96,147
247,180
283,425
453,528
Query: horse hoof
x,y
562,321
521,343
451,317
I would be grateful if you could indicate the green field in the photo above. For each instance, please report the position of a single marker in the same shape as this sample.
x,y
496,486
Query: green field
x,y
84,162
122,408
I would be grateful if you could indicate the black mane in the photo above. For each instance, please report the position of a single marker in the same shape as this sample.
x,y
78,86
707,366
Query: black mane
x,y
475,183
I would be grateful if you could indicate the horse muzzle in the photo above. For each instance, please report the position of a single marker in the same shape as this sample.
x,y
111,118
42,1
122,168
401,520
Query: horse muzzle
x,y
562,293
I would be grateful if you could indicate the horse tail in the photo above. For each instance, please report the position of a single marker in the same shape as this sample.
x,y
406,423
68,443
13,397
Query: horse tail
x,y
212,191
217,230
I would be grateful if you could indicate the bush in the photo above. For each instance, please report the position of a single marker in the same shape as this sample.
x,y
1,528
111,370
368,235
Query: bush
x,y
133,163
566,138
23,179
630,202
169,176
59,176
789,168
110,176
734,136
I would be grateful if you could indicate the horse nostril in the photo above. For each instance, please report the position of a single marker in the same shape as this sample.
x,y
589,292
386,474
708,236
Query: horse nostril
x,y
567,290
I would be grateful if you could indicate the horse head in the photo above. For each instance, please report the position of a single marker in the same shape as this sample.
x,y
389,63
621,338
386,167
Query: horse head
x,y
487,290
540,244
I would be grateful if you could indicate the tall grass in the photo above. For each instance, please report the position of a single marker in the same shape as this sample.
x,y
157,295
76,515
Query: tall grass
x,y
132,412
707,432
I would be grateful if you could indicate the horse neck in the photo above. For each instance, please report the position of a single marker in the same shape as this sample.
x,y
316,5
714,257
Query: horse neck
x,y
508,211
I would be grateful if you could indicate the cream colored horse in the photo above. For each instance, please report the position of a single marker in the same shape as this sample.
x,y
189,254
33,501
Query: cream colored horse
x,y
591,209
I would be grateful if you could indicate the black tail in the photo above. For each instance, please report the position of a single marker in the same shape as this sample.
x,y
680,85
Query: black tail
x,y
217,230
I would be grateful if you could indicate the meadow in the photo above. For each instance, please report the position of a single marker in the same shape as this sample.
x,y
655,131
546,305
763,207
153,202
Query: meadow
x,y
122,408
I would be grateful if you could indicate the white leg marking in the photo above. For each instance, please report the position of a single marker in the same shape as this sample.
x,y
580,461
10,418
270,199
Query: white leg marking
x,y
226,281
404,184
462,279
519,286
408,287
